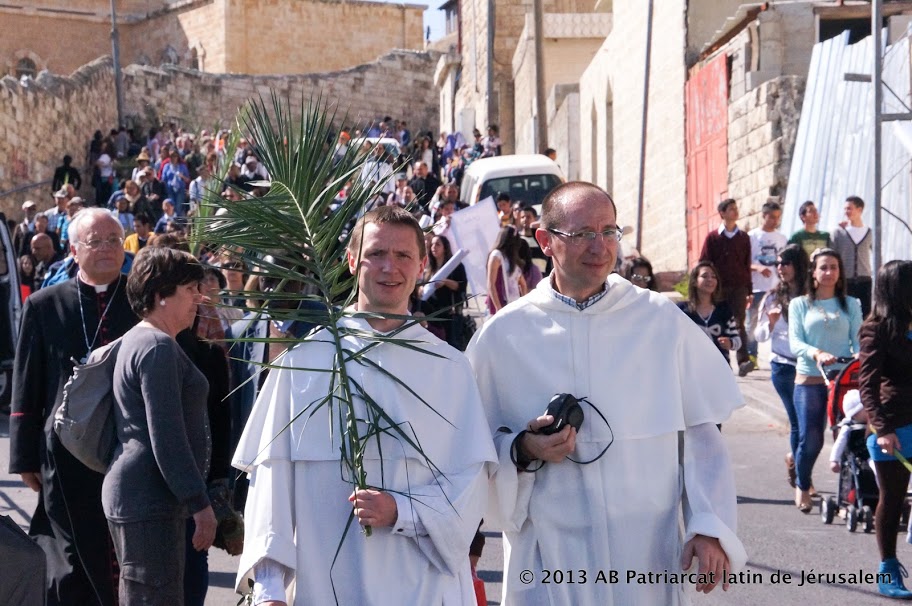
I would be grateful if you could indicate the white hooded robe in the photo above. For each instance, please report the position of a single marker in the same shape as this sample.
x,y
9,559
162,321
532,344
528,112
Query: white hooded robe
x,y
298,508
652,373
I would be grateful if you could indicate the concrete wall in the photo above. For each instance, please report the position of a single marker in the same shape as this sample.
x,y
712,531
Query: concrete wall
x,y
611,92
570,42
509,20
50,117
564,128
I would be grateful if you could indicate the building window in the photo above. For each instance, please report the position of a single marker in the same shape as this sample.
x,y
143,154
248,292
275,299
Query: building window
x,y
26,67
194,59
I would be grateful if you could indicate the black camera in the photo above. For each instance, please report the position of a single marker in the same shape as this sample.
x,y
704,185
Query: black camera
x,y
566,410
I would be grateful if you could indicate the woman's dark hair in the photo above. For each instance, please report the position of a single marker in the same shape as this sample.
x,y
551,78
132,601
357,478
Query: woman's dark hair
x,y
213,272
30,259
508,244
893,298
432,265
692,284
525,254
159,271
797,257
840,284
644,263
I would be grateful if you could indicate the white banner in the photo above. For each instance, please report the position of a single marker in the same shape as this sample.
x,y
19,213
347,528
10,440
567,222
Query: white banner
x,y
475,230
442,274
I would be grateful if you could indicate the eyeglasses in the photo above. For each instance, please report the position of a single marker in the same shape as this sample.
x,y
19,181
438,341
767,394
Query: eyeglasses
x,y
612,234
783,263
99,244
639,278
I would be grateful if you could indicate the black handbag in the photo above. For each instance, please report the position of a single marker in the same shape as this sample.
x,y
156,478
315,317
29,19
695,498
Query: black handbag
x,y
466,327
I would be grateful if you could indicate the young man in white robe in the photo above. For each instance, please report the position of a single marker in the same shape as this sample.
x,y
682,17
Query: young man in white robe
x,y
424,511
662,388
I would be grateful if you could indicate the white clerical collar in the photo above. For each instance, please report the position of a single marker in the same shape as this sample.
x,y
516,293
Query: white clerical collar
x,y
99,288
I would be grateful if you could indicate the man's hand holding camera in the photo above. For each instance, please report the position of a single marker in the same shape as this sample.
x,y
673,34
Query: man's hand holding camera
x,y
552,448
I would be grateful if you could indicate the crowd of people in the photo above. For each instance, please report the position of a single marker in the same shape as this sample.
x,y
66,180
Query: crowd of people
x,y
810,295
557,288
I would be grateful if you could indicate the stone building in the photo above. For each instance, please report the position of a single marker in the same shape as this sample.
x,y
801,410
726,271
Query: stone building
x,y
219,36
476,79
716,117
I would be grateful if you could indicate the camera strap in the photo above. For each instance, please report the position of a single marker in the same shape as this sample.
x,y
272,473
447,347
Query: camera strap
x,y
604,450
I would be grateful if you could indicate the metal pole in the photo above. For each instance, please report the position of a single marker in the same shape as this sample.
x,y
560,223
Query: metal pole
x,y
876,30
118,77
541,124
491,106
642,177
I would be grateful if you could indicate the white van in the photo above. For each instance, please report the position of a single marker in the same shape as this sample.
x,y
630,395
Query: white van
x,y
526,177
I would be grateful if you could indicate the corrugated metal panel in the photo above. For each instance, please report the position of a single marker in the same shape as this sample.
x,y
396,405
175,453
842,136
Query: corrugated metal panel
x,y
706,95
833,156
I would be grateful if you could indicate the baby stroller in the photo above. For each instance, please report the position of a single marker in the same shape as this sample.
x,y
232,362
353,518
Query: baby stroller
x,y
857,487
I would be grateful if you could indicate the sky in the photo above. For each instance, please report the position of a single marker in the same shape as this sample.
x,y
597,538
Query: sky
x,y
433,18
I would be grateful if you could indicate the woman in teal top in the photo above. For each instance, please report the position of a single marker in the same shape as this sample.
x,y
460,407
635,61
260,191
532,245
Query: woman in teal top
x,y
823,326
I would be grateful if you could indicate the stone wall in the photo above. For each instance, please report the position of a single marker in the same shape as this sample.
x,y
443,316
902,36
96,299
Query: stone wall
x,y
59,43
769,61
399,84
56,115
225,36
762,128
316,35
47,118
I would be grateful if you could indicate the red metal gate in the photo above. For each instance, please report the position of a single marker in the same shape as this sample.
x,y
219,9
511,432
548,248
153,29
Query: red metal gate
x,y
706,98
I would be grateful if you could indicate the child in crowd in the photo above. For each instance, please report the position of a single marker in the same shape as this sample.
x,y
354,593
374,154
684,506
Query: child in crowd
x,y
856,419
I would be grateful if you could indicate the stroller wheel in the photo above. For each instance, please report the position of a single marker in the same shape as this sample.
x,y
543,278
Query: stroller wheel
x,y
867,516
827,510
851,518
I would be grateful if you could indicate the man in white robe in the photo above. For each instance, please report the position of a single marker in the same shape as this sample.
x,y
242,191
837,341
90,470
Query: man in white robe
x,y
662,388
426,506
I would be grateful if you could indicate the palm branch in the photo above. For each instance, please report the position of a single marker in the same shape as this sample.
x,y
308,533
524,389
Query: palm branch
x,y
292,235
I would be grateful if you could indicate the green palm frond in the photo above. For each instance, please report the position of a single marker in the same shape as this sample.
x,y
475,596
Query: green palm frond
x,y
297,233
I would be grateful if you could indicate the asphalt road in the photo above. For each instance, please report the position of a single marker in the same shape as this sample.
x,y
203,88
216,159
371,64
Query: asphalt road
x,y
778,538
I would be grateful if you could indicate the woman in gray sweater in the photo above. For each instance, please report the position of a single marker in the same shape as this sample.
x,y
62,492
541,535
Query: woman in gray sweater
x,y
157,477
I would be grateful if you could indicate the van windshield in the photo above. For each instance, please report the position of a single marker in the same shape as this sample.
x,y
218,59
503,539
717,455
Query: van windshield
x,y
528,189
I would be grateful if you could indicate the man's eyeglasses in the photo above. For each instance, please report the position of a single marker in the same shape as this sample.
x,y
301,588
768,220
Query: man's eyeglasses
x,y
98,243
639,278
612,234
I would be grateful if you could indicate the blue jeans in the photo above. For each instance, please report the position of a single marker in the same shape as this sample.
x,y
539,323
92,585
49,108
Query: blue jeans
x,y
783,376
811,406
